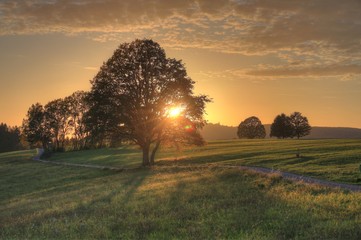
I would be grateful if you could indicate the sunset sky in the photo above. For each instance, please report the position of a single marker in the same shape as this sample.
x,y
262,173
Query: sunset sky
x,y
253,57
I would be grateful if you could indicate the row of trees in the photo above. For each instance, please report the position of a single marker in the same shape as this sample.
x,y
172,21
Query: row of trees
x,y
130,99
283,126
59,122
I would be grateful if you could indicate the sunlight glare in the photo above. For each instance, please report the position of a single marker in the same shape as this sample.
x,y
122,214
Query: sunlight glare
x,y
175,112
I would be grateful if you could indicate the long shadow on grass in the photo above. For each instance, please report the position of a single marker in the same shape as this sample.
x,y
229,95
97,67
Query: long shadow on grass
x,y
96,198
234,205
23,178
341,160
202,204
232,158
285,161
214,158
116,157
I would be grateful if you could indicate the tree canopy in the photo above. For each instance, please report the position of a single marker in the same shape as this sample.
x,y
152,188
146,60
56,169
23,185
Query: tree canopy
x,y
251,128
300,125
57,121
291,126
281,127
135,90
58,124
34,128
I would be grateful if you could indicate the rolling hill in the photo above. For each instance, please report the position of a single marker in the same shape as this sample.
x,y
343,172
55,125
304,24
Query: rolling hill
x,y
217,131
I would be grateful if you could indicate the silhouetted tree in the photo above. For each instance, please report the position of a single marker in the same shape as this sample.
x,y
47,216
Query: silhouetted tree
x,y
251,128
281,127
34,128
300,125
135,89
57,120
9,138
77,107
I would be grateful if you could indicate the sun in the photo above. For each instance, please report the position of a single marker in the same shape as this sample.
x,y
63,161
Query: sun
x,y
175,112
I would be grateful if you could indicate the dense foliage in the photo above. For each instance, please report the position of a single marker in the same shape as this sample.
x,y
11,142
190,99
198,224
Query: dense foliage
x,y
291,126
135,90
34,129
281,127
251,128
57,125
300,125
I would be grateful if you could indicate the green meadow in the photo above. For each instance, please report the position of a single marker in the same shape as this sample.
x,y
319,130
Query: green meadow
x,y
335,160
186,195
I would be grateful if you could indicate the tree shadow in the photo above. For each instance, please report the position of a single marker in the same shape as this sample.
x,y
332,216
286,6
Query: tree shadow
x,y
195,203
229,205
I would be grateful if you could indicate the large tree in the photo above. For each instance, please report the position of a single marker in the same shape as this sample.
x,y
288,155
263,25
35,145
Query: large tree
x,y
140,89
281,127
300,125
251,128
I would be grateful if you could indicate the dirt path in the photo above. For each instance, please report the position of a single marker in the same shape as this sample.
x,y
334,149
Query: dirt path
x,y
287,175
301,178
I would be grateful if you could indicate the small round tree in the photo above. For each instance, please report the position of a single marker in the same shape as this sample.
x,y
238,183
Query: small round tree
x,y
300,125
251,128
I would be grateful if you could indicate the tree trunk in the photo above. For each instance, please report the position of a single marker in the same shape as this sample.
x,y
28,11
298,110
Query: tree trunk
x,y
146,155
56,146
45,144
155,149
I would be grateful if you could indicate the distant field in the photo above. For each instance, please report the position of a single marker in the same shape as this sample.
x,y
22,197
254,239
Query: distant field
x,y
335,160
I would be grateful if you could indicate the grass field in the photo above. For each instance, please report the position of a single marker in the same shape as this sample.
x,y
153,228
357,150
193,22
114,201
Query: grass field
x,y
196,201
335,160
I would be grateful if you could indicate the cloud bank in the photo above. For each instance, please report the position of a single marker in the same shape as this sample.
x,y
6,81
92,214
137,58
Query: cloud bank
x,y
316,37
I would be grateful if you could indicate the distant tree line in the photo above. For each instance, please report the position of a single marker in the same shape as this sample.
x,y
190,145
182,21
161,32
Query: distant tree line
x,y
283,126
10,138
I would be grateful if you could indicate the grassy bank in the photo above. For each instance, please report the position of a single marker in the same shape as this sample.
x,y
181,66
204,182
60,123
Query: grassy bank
x,y
40,201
